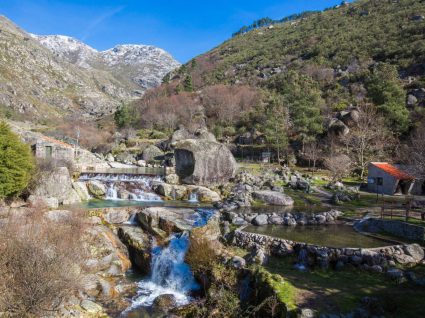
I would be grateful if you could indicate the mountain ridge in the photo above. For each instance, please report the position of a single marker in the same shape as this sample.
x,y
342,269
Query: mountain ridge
x,y
43,78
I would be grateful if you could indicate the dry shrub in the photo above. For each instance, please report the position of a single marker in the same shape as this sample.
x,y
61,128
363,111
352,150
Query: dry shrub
x,y
338,165
90,134
40,263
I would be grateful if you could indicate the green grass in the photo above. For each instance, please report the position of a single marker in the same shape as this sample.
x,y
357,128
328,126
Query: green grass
x,y
342,291
285,291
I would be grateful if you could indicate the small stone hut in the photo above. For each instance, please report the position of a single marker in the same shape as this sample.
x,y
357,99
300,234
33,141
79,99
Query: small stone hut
x,y
47,147
385,178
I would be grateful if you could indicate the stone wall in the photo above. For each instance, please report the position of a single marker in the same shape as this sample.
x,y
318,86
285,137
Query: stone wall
x,y
377,259
397,228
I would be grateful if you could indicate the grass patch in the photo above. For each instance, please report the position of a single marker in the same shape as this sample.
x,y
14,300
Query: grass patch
x,y
341,292
285,291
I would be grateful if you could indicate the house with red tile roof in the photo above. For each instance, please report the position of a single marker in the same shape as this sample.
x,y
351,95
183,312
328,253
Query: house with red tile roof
x,y
47,147
386,178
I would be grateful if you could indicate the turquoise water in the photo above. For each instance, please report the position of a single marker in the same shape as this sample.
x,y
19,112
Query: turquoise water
x,y
335,235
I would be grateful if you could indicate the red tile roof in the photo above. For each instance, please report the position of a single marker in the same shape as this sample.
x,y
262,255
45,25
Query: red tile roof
x,y
57,142
393,171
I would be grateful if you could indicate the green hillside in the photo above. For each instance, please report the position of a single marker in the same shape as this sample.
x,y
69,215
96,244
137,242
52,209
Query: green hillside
x,y
295,81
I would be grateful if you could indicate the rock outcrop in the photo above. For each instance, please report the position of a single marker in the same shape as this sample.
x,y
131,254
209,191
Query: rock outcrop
x,y
56,184
203,162
138,245
273,197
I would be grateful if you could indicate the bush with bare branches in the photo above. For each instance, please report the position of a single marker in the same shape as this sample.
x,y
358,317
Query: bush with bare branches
x,y
40,262
339,166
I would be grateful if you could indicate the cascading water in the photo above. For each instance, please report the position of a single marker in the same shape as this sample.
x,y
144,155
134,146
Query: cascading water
x,y
193,197
126,186
169,273
111,193
302,260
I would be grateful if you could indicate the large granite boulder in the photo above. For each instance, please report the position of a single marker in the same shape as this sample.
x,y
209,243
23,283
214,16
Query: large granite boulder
x,y
204,194
97,189
138,246
82,191
179,135
56,184
152,152
170,191
273,197
163,221
203,162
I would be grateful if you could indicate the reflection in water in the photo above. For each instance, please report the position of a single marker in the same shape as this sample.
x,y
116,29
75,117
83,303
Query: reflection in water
x,y
334,235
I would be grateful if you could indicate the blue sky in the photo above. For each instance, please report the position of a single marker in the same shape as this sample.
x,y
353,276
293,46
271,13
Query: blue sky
x,y
183,28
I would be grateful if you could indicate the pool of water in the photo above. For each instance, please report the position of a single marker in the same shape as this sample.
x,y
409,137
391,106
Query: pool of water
x,y
98,204
282,209
335,235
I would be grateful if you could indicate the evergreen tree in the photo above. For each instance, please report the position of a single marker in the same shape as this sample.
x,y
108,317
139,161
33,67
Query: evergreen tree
x,y
275,125
188,84
385,90
16,163
122,117
302,97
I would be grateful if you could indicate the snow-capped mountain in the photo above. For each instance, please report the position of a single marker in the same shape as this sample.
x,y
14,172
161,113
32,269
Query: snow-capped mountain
x,y
68,48
54,76
143,65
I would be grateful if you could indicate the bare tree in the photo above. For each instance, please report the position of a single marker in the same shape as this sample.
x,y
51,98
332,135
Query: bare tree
x,y
368,140
415,152
339,166
312,152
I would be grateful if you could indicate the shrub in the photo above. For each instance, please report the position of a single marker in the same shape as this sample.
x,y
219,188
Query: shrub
x,y
39,264
16,163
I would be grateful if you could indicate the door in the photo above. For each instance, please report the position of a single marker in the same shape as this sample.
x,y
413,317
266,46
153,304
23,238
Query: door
x,y
49,151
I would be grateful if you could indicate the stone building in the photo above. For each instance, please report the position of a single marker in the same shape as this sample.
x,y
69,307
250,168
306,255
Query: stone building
x,y
385,178
47,147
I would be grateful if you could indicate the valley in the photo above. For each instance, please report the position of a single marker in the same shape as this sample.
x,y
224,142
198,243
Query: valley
x,y
280,174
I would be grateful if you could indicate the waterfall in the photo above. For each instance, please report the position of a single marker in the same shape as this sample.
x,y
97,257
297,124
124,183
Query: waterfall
x,y
193,197
111,193
132,220
302,260
136,187
170,274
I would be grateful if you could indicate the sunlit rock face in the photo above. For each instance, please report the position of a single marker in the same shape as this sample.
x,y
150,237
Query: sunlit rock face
x,y
204,162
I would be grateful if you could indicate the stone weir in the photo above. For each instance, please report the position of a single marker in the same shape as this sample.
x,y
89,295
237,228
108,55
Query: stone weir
x,y
376,259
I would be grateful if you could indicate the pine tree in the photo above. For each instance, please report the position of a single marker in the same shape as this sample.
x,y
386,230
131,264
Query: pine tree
x,y
275,125
385,90
16,163
122,117
302,97
188,84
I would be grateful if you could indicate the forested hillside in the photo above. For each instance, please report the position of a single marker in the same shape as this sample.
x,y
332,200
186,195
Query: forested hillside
x,y
305,80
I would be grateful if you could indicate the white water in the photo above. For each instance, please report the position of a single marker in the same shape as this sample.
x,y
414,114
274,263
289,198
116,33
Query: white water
x,y
193,197
111,193
141,186
170,274
147,180
302,263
